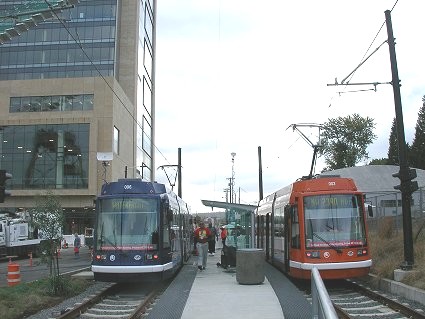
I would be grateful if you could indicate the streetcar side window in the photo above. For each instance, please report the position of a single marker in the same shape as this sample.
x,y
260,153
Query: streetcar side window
x,y
295,227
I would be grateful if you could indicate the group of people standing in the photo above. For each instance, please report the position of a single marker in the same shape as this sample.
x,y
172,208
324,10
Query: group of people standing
x,y
205,238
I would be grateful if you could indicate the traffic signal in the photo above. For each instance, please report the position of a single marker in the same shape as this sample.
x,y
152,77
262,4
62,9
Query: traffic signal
x,y
4,176
406,181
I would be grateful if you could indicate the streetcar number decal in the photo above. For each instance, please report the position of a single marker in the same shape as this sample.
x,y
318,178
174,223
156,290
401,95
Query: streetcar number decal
x,y
331,183
326,254
127,186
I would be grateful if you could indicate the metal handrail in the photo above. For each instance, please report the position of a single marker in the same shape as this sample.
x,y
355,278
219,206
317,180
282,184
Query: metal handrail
x,y
321,302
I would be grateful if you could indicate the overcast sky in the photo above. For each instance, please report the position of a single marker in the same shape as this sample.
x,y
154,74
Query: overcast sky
x,y
233,75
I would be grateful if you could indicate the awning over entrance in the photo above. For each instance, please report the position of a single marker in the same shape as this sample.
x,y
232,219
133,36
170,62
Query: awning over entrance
x,y
216,204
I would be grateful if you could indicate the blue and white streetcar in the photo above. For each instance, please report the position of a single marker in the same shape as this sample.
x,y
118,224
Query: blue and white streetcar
x,y
143,232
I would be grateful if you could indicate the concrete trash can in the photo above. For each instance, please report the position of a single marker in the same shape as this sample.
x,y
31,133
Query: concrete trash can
x,y
250,266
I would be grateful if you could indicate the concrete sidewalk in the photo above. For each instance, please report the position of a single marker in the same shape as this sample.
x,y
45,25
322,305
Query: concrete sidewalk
x,y
215,292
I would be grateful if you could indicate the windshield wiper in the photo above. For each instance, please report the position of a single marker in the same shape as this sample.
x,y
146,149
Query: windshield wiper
x,y
339,251
101,236
115,240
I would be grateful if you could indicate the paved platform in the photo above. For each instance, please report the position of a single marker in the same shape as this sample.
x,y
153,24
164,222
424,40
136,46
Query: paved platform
x,y
215,292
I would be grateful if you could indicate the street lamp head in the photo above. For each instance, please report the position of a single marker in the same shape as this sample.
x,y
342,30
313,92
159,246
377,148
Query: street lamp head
x,y
233,154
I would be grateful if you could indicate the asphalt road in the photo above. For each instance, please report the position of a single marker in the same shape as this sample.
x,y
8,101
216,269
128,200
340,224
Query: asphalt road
x,y
30,271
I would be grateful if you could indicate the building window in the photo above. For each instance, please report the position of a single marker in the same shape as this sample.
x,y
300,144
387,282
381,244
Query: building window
x,y
46,156
82,102
116,145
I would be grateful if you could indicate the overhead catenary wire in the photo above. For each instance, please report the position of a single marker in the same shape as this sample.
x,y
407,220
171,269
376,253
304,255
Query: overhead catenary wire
x,y
365,57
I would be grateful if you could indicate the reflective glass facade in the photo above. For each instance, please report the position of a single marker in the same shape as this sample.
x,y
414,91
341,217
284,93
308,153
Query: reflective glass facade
x,y
46,156
84,45
145,87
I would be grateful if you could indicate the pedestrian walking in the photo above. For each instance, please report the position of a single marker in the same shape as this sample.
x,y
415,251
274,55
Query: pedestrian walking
x,y
211,239
77,245
201,238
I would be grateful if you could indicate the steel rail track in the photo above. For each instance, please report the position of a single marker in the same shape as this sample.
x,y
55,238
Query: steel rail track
x,y
389,302
354,300
109,299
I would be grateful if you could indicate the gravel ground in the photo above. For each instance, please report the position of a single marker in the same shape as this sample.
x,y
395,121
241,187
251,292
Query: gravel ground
x,y
69,303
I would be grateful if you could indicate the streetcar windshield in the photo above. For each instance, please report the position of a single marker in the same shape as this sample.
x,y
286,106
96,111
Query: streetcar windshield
x,y
127,223
334,221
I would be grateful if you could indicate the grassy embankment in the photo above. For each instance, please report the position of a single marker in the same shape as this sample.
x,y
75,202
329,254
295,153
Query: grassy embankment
x,y
25,299
387,251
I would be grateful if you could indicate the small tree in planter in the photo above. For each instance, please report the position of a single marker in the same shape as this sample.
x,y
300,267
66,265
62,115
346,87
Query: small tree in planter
x,y
48,218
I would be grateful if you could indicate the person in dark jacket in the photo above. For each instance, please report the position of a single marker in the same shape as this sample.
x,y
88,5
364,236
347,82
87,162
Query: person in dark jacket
x,y
211,239
77,245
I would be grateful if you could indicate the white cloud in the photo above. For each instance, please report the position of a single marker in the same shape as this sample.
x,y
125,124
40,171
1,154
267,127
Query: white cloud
x,y
233,75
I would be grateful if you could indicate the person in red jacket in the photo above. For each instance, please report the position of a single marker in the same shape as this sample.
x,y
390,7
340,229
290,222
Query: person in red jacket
x,y
201,238
223,235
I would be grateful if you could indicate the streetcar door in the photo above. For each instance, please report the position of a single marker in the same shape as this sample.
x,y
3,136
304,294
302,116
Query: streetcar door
x,y
287,235
166,222
268,236
258,232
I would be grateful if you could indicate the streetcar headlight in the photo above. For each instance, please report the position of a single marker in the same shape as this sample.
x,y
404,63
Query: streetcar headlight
x,y
361,252
313,254
100,257
151,256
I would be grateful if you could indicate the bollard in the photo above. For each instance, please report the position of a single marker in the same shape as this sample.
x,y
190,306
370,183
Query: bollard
x,y
30,255
13,274
250,266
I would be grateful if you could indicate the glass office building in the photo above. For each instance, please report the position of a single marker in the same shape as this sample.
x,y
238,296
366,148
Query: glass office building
x,y
73,88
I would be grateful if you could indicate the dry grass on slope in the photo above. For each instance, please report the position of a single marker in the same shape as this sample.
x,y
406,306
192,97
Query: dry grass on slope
x,y
387,249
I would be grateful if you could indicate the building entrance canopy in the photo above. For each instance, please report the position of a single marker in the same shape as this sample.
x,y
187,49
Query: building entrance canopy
x,y
239,223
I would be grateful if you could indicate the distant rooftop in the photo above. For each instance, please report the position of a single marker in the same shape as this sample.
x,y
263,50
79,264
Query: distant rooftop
x,y
375,178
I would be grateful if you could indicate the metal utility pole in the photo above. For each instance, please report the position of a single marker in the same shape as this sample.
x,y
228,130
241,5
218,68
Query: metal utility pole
x,y
407,187
232,179
260,173
179,171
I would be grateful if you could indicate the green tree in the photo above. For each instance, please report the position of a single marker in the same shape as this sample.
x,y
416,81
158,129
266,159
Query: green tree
x,y
379,161
393,145
48,218
417,150
344,140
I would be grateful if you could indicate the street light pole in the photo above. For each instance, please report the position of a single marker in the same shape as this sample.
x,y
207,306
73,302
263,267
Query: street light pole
x,y
232,179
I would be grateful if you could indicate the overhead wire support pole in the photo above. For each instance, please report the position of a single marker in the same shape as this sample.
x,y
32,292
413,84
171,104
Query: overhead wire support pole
x,y
404,173
361,63
360,83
